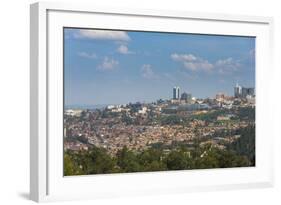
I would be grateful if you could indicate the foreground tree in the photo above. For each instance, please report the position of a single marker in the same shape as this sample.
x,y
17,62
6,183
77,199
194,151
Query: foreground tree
x,y
127,161
178,160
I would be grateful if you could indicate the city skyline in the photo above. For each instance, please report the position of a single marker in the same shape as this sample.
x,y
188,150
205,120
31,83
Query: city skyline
x,y
118,67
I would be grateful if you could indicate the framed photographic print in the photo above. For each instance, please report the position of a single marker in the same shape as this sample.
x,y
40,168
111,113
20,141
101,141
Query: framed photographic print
x,y
127,102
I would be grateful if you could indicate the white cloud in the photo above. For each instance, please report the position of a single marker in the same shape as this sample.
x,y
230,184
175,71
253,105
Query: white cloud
x,y
108,64
123,49
87,55
147,72
183,57
102,35
192,62
227,66
195,63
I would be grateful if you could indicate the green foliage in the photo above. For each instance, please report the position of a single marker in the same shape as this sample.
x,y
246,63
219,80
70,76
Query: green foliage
x,y
151,160
230,159
245,145
109,114
207,162
68,165
240,153
71,167
246,113
179,160
210,116
94,161
98,162
171,120
126,119
127,161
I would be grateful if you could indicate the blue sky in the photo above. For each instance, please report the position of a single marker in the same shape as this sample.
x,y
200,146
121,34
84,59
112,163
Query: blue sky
x,y
116,67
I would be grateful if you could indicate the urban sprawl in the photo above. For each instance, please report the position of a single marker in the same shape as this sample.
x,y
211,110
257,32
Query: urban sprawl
x,y
166,122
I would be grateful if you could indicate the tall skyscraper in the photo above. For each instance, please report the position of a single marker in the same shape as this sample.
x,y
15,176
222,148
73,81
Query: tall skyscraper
x,y
247,91
176,93
251,91
186,96
243,92
237,91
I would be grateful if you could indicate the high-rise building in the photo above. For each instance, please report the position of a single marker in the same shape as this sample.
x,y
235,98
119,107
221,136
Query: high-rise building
x,y
251,91
243,92
189,97
237,91
186,96
176,93
248,91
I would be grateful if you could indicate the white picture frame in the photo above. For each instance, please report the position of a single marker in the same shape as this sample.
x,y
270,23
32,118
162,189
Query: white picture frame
x,y
46,177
